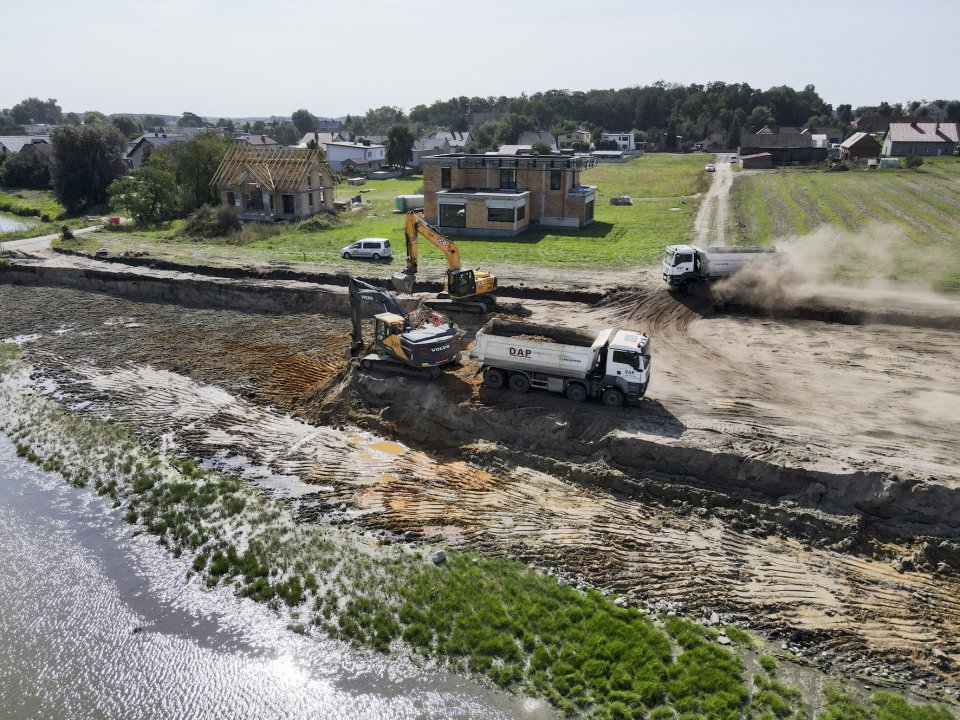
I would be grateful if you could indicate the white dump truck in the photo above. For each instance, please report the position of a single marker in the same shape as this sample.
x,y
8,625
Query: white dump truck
x,y
612,365
685,266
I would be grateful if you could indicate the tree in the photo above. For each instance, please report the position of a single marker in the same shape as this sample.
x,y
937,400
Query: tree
x,y
540,148
734,133
27,169
154,121
845,114
150,195
510,128
194,163
86,159
93,116
305,121
35,111
129,126
189,119
72,118
399,145
226,124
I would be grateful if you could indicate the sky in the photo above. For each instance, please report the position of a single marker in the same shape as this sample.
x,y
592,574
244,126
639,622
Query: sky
x,y
241,58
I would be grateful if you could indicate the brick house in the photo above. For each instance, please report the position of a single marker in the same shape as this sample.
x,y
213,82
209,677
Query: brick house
x,y
783,148
502,195
274,183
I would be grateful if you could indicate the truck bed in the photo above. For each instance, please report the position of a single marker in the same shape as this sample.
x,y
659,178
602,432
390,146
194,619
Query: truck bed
x,y
560,351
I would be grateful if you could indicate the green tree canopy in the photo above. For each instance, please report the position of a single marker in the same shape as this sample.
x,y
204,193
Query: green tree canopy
x,y
150,195
510,128
399,145
305,121
34,111
26,170
193,164
129,126
189,119
154,121
86,159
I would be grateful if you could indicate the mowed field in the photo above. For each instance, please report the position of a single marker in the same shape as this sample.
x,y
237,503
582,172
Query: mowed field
x,y
898,224
620,237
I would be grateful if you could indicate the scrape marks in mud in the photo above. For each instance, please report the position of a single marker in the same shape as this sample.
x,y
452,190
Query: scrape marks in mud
x,y
611,541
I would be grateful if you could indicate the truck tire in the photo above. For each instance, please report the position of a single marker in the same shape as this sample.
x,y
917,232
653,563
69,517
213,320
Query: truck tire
x,y
576,392
494,378
519,383
611,397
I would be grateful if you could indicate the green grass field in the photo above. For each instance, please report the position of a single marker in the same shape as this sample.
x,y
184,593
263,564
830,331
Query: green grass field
x,y
621,236
907,223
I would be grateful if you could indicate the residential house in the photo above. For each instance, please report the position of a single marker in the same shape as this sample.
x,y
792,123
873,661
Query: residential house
x,y
322,138
932,111
532,137
368,157
426,147
271,183
879,124
859,145
834,137
256,140
784,148
779,130
610,156
512,150
501,195
920,138
578,137
13,144
714,142
138,149
330,125
624,140
458,141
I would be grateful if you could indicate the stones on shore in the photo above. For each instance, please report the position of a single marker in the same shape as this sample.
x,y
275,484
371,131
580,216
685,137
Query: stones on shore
x,y
438,558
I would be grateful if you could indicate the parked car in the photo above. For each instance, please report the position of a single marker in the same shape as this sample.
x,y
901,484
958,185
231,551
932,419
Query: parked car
x,y
374,248
711,167
733,158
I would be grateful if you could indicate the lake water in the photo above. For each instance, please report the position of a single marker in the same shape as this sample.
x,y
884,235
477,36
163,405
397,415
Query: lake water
x,y
11,223
98,623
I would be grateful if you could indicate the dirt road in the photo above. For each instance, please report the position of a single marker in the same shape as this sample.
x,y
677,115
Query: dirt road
x,y
710,225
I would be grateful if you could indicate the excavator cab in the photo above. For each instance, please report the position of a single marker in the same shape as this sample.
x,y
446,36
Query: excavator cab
x,y
461,283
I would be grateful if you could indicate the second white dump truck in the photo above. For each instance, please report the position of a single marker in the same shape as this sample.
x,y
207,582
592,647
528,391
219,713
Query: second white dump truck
x,y
612,365
684,266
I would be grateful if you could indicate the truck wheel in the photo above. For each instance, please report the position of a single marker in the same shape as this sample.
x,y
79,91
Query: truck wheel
x,y
611,397
576,392
519,383
493,378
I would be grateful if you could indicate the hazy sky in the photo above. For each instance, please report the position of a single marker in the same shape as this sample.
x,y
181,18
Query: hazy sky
x,y
245,58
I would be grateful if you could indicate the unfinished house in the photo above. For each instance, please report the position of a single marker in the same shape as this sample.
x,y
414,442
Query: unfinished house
x,y
270,183
502,195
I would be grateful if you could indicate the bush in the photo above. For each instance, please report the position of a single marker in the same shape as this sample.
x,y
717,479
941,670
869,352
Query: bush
x,y
209,222
912,162
319,223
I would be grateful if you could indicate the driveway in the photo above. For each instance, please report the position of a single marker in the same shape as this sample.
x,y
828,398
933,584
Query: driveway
x,y
42,242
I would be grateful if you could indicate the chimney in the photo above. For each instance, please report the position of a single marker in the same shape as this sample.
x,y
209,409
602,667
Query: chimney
x,y
263,139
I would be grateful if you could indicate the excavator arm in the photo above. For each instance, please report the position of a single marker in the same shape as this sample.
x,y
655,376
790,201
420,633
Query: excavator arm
x,y
416,227
359,292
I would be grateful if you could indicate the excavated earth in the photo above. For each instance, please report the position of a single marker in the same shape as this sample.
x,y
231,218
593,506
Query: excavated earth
x,y
794,467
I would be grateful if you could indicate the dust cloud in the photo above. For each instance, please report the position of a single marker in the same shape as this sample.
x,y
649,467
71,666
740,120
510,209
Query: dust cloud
x,y
831,267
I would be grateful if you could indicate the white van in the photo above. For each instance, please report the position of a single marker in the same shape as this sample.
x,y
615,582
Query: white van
x,y
374,248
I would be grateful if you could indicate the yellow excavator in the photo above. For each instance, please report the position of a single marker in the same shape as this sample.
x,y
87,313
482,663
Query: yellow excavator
x,y
466,290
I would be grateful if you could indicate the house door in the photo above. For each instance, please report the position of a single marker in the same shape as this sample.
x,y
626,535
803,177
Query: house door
x,y
253,199
287,204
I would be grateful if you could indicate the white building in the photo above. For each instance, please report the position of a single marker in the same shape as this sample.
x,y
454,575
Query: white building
x,y
367,157
624,140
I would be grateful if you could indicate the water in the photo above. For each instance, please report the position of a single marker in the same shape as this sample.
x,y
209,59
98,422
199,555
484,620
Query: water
x,y
12,223
98,623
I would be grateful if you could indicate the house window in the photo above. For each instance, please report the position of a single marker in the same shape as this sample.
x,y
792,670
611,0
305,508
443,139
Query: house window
x,y
231,198
453,215
588,211
310,199
445,181
508,179
500,215
287,204
254,200
521,212
556,179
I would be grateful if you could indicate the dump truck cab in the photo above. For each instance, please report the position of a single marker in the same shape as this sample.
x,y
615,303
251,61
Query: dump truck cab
x,y
681,264
627,360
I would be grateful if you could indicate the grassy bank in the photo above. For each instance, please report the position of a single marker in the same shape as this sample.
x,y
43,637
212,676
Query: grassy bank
x,y
31,203
621,236
908,220
494,617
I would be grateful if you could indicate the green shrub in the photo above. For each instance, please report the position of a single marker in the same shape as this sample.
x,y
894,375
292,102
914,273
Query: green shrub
x,y
208,222
319,223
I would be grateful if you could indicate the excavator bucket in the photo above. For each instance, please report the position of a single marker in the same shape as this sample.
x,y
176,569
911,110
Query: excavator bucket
x,y
403,281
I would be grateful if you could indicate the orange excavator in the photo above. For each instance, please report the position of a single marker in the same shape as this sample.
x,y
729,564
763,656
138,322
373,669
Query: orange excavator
x,y
466,290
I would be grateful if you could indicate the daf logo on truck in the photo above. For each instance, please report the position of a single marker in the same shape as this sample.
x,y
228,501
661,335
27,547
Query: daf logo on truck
x,y
519,352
